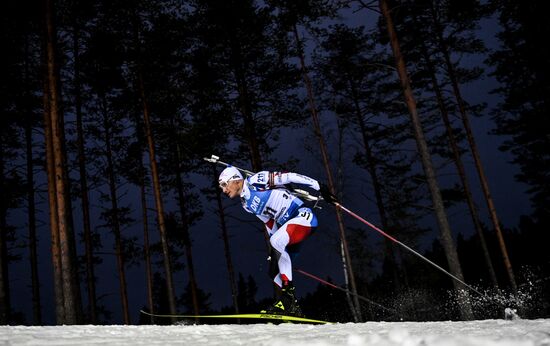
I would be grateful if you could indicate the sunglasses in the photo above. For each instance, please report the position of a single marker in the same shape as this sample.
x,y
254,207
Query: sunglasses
x,y
223,184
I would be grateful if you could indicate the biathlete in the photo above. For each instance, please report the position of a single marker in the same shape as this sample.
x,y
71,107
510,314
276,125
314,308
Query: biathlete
x,y
287,221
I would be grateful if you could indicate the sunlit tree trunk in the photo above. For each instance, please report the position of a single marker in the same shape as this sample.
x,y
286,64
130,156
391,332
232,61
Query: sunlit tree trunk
x,y
64,218
444,228
473,148
54,229
346,259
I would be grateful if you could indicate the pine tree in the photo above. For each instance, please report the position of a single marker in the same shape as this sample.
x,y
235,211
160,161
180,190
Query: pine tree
x,y
6,231
348,63
67,284
206,135
20,108
521,67
471,13
136,173
421,45
154,71
79,15
446,236
521,116
291,15
259,83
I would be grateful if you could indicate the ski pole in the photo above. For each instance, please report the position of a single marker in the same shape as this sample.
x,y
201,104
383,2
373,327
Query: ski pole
x,y
345,290
338,205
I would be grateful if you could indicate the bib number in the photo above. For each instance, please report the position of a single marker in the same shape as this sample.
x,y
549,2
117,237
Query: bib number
x,y
305,214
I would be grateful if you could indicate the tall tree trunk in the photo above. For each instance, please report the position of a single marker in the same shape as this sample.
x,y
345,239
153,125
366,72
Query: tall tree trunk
x,y
114,219
459,165
88,242
71,239
377,187
64,218
158,197
54,229
31,203
5,306
473,148
444,228
33,256
186,236
146,248
227,250
346,259
340,181
156,186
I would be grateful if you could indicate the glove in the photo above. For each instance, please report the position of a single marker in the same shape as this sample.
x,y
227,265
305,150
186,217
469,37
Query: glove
x,y
327,195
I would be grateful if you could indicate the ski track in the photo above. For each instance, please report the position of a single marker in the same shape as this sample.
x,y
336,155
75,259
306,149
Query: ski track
x,y
471,333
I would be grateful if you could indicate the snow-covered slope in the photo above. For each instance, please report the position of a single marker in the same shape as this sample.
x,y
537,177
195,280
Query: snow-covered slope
x,y
472,333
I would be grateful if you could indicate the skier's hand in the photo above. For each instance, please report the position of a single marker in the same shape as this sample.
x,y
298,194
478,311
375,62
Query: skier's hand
x,y
327,195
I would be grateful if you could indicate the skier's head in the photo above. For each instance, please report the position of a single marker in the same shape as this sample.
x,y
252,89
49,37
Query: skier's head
x,y
231,181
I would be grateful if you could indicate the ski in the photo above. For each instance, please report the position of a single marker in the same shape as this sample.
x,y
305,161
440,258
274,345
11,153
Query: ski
x,y
261,316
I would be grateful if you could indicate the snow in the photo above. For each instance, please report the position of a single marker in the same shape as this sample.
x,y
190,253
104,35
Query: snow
x,y
471,333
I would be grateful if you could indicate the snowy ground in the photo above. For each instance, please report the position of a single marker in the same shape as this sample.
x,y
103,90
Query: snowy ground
x,y
472,333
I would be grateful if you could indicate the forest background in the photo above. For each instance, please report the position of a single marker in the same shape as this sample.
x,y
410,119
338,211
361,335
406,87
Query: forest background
x,y
429,118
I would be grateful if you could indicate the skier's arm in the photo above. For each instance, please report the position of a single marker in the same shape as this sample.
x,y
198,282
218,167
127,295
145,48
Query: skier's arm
x,y
260,180
283,178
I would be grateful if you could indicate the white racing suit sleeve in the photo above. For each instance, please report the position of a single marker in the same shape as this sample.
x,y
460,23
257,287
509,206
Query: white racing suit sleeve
x,y
283,178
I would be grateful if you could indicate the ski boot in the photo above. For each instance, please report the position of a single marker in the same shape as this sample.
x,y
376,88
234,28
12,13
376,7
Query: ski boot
x,y
286,304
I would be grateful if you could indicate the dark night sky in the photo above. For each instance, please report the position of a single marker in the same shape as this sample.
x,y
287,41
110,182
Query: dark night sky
x,y
320,254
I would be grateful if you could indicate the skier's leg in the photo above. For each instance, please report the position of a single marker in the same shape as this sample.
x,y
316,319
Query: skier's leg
x,y
291,233
279,241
